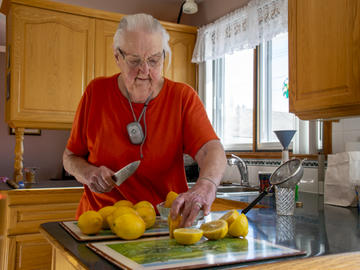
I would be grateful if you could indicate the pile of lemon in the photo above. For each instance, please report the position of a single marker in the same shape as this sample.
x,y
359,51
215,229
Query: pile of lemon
x,y
126,220
231,223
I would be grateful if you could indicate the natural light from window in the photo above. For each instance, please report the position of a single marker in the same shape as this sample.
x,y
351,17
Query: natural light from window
x,y
238,98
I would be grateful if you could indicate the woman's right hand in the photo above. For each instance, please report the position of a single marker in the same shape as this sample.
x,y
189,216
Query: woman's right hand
x,y
99,180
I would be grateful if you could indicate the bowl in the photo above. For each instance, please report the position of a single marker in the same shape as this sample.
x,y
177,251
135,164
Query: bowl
x,y
164,212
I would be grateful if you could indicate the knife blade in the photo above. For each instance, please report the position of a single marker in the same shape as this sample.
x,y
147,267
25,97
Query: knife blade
x,y
124,173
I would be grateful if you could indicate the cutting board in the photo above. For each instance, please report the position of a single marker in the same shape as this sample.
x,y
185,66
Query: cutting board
x,y
160,228
165,253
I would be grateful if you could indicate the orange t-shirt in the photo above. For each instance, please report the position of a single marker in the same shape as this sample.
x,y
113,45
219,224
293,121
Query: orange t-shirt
x,y
176,123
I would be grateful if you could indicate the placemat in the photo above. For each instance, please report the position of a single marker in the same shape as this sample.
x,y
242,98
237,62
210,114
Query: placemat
x,y
165,253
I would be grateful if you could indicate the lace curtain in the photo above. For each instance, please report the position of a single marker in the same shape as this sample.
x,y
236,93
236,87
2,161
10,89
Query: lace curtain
x,y
244,28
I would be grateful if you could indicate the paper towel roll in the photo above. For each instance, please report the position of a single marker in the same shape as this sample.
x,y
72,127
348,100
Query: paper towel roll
x,y
352,146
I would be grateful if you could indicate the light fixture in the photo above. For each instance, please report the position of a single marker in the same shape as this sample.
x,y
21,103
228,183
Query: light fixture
x,y
190,7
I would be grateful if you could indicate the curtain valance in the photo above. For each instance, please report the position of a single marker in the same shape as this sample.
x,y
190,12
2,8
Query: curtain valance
x,y
244,28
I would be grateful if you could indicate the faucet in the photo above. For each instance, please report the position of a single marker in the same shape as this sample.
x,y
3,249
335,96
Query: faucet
x,y
243,169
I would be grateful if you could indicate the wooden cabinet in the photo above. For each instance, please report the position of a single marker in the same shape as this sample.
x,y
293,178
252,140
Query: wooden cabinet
x,y
105,64
22,212
181,69
51,58
324,58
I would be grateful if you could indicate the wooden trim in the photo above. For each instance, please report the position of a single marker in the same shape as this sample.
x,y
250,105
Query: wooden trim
x,y
269,155
327,137
255,99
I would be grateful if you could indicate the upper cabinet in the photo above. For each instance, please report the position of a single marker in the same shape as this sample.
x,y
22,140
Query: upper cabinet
x,y
105,64
50,61
54,50
324,58
181,69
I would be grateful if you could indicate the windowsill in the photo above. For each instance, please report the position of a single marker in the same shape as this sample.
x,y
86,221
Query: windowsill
x,y
271,155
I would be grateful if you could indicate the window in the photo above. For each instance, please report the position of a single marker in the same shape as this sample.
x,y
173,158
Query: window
x,y
232,102
273,91
229,96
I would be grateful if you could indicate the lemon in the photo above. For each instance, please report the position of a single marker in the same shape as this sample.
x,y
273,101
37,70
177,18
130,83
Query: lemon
x,y
123,203
142,204
170,197
118,212
148,215
105,212
215,230
173,224
90,222
187,236
129,226
230,216
239,227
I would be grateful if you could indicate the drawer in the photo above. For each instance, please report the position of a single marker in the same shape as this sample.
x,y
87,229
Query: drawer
x,y
27,218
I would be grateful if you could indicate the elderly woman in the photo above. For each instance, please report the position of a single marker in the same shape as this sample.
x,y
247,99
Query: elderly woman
x,y
171,116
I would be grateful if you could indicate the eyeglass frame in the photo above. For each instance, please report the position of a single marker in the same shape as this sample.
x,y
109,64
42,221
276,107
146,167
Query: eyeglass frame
x,y
133,66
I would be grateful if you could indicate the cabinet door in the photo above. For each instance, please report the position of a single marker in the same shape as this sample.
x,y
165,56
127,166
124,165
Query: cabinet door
x,y
51,63
324,58
105,64
29,251
181,69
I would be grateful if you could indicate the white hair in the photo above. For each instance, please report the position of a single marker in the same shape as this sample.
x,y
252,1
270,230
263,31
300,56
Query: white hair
x,y
141,22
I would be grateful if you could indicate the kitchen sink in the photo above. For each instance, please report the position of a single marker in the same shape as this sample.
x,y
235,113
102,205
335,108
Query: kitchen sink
x,y
236,188
225,190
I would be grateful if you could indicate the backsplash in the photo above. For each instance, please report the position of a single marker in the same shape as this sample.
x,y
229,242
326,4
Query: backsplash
x,y
308,183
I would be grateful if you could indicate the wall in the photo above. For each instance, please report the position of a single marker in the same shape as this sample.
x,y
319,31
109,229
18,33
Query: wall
x,y
346,130
43,151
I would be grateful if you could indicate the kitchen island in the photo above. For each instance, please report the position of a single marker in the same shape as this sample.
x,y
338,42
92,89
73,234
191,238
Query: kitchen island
x,y
316,228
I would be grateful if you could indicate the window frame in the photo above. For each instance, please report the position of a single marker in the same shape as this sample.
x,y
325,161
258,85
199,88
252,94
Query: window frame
x,y
255,152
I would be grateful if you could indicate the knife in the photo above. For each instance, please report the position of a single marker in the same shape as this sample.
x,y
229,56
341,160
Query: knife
x,y
121,175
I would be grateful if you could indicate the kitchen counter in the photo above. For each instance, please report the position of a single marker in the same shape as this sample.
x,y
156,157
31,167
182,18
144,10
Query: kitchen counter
x,y
45,184
315,228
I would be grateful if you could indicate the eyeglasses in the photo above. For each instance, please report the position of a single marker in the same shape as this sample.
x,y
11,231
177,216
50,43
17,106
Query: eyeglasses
x,y
134,61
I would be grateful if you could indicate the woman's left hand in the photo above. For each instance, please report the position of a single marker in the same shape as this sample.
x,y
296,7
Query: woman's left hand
x,y
188,204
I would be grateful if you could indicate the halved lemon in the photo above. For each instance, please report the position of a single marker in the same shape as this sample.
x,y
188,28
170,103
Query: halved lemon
x,y
230,216
215,230
239,227
170,197
187,236
173,224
